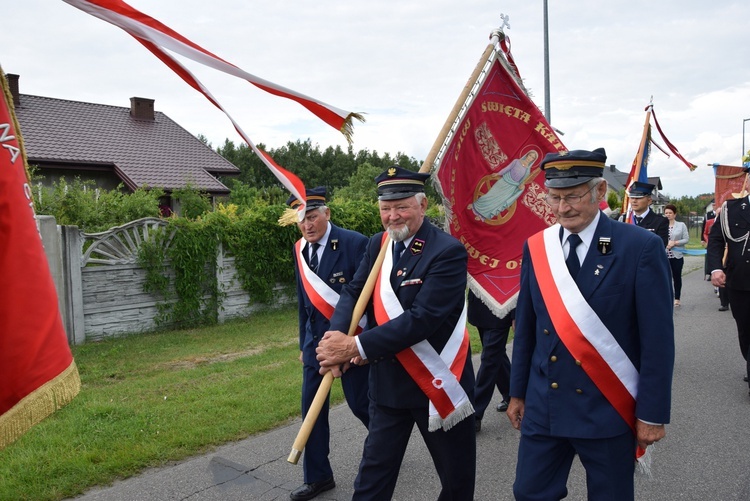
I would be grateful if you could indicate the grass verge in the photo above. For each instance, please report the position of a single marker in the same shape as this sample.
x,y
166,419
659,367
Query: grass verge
x,y
150,399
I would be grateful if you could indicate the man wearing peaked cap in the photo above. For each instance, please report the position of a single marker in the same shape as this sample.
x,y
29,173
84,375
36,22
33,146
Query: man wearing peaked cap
x,y
326,257
639,194
601,385
418,307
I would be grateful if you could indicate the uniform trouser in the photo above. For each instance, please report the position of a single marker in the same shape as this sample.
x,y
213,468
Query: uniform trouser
x,y
544,465
453,454
315,466
494,367
739,302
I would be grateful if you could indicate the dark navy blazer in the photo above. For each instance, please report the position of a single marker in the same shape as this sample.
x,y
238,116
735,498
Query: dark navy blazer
x,y
431,288
628,284
340,260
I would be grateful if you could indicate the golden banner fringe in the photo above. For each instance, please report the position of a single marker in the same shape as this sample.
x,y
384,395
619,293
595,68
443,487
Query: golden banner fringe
x,y
39,404
289,217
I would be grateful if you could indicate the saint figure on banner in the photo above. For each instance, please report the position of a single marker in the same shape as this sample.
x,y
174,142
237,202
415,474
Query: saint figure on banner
x,y
506,190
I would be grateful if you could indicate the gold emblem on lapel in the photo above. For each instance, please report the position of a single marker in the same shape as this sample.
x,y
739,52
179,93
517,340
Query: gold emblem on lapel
x,y
416,247
604,245
334,244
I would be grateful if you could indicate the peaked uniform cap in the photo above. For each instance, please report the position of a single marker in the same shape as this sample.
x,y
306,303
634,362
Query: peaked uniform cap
x,y
316,197
640,190
566,169
397,183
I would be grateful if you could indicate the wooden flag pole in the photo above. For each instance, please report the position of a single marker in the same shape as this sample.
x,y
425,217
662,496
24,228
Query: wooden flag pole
x,y
496,36
325,385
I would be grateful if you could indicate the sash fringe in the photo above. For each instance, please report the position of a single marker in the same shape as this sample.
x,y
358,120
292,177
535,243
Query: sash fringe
x,y
643,463
39,404
461,412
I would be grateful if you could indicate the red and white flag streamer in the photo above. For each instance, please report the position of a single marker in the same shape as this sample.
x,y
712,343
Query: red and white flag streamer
x,y
157,37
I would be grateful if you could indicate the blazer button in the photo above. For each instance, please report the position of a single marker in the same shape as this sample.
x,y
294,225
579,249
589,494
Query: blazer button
x,y
553,358
578,362
546,332
553,386
579,391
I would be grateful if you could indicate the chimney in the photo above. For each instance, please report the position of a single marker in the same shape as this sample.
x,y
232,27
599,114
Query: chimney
x,y
13,85
142,108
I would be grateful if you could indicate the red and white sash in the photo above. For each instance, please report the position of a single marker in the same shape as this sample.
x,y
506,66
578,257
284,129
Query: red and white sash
x,y
437,374
323,298
580,328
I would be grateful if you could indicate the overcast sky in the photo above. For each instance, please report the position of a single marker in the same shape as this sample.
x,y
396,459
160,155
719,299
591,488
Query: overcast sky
x,y
404,63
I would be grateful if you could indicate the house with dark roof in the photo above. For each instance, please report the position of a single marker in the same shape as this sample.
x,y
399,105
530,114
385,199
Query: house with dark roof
x,y
112,145
616,180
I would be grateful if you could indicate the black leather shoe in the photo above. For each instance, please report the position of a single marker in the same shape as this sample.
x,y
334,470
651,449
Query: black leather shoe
x,y
502,406
309,491
723,308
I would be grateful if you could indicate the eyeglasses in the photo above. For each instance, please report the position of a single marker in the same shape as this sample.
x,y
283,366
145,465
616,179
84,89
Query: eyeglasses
x,y
554,200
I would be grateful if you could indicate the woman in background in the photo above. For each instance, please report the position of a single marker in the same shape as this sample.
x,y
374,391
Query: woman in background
x,y
678,237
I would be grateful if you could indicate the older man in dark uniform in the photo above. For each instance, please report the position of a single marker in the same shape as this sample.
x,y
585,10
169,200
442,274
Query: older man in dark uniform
x,y
732,231
419,354
594,341
640,200
325,259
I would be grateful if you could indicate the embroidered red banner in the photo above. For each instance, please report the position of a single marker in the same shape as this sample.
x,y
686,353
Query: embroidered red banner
x,y
37,371
493,186
731,181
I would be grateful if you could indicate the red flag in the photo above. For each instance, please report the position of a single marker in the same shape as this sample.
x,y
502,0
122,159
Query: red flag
x,y
731,182
639,168
37,372
492,184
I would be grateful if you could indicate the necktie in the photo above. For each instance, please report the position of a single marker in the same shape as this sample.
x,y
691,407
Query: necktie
x,y
398,249
572,261
314,258
638,220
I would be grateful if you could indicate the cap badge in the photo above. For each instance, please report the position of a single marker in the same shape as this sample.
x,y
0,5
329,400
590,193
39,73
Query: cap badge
x,y
391,172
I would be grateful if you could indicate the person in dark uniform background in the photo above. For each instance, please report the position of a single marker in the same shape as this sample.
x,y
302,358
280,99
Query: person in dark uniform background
x,y
640,201
732,230
494,365
419,347
327,257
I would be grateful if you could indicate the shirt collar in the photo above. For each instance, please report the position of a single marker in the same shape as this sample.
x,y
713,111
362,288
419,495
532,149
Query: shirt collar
x,y
587,234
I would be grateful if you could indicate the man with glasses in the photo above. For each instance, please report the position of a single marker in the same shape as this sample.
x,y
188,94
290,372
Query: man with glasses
x,y
420,360
594,341
325,259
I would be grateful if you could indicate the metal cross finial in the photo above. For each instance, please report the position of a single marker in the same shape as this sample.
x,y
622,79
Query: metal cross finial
x,y
505,23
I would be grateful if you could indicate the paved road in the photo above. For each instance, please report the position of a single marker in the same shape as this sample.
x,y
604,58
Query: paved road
x,y
706,454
